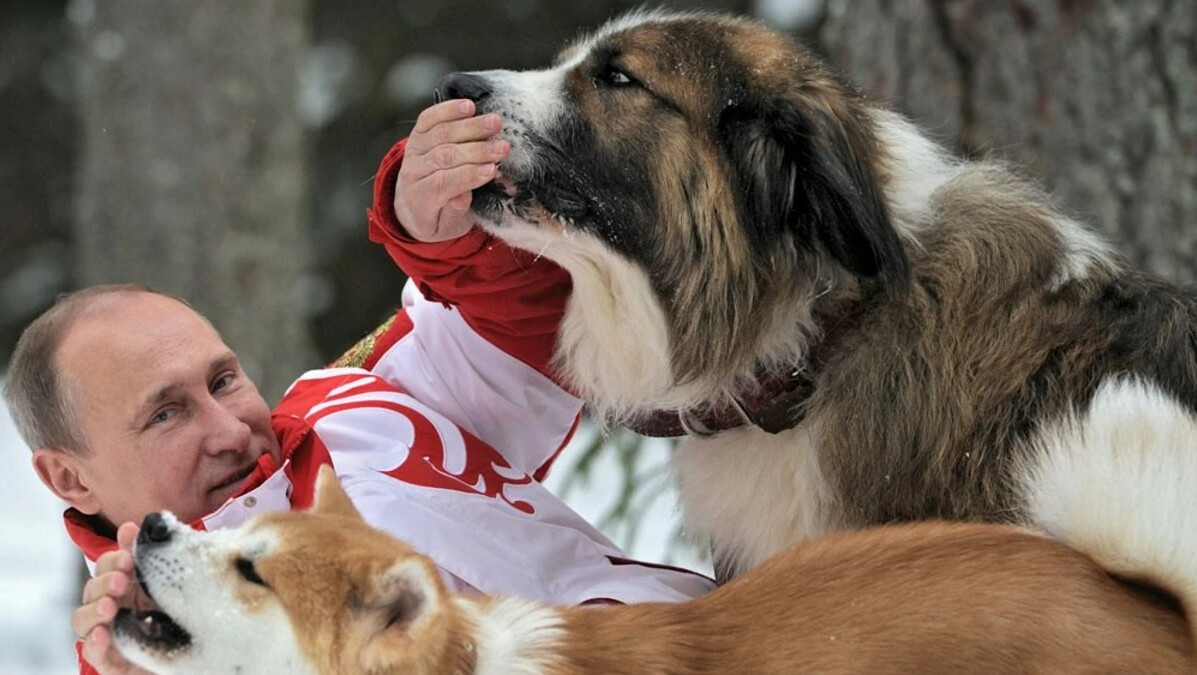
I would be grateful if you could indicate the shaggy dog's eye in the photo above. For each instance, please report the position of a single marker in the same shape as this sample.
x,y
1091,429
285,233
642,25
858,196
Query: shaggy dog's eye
x,y
246,567
614,77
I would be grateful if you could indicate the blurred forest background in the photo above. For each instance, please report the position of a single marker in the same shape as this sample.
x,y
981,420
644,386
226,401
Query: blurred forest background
x,y
224,150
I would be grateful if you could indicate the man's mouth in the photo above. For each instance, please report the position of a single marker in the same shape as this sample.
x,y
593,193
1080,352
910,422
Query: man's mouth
x,y
235,478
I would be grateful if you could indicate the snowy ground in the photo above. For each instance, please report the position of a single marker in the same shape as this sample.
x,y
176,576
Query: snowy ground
x,y
37,567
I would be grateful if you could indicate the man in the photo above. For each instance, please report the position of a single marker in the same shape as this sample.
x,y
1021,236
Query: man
x,y
132,403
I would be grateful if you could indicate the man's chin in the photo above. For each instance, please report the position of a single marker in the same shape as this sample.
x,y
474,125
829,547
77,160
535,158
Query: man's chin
x,y
222,493
219,497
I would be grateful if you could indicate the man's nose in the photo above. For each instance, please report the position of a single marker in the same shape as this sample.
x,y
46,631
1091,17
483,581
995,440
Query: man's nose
x,y
226,430
461,85
154,530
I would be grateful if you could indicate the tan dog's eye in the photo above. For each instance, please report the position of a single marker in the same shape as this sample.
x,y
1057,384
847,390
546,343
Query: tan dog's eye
x,y
245,567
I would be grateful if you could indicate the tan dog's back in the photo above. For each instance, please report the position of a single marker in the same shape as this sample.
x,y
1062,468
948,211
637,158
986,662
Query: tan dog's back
x,y
918,598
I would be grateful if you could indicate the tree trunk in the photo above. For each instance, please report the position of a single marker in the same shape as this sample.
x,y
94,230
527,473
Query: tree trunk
x,y
1096,98
193,167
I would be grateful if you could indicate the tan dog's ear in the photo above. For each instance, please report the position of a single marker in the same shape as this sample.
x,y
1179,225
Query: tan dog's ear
x,y
331,499
406,599
406,592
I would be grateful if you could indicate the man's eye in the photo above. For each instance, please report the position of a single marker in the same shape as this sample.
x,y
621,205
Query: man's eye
x,y
161,416
245,567
222,382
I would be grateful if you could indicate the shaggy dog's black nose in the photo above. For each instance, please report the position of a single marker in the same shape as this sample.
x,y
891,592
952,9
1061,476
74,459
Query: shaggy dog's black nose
x,y
154,530
461,85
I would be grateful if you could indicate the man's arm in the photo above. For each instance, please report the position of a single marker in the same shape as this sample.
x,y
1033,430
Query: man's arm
x,y
476,342
511,297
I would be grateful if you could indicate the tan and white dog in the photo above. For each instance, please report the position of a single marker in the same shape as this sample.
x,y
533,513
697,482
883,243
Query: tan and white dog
x,y
908,334
322,592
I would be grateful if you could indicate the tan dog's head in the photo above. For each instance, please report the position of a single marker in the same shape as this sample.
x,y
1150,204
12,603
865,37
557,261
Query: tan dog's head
x,y
290,592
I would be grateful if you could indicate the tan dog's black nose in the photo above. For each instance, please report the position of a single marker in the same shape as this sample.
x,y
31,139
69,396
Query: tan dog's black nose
x,y
154,530
461,85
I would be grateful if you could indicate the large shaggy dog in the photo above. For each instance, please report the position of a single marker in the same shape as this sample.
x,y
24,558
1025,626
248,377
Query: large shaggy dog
x,y
752,240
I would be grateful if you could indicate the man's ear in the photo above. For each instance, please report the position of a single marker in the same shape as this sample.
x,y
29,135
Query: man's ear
x,y
804,168
61,471
330,496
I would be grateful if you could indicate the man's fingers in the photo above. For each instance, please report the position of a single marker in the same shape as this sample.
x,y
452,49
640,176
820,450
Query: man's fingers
x,y
454,220
100,653
444,194
96,647
114,584
85,619
442,186
120,560
450,152
445,111
454,155
126,534
458,131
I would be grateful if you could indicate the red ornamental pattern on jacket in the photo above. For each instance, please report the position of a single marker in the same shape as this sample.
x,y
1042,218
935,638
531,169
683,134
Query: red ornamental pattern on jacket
x,y
441,457
484,472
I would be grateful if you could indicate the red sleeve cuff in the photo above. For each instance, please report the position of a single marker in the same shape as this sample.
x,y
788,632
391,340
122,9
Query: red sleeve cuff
x,y
383,210
85,668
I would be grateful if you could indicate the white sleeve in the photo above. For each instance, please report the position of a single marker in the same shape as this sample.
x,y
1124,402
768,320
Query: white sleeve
x,y
446,365
414,474
551,555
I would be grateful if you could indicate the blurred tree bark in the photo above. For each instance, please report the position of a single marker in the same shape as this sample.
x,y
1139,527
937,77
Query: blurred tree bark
x,y
193,167
1096,98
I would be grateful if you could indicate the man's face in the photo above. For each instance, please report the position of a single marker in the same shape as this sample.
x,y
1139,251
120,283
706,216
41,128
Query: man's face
x,y
169,418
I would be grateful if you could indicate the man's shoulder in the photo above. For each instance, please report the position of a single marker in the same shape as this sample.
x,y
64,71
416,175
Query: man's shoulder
x,y
319,390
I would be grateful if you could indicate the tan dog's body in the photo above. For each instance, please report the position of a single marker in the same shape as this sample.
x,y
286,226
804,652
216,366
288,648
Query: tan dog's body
x,y
322,592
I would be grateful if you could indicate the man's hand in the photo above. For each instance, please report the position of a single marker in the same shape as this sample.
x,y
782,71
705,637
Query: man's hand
x,y
449,153
110,588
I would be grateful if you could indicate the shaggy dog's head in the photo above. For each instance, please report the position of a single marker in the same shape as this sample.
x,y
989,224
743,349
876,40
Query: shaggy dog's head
x,y
703,179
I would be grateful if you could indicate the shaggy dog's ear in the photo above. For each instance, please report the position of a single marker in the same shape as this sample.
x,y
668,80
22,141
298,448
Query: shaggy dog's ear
x,y
804,169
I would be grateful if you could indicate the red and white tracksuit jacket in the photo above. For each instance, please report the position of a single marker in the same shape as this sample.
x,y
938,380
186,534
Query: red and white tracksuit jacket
x,y
442,437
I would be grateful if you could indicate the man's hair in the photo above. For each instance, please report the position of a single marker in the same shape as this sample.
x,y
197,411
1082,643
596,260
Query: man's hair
x,y
38,396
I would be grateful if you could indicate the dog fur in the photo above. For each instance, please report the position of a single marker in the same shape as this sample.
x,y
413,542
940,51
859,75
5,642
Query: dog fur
x,y
322,592
727,207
